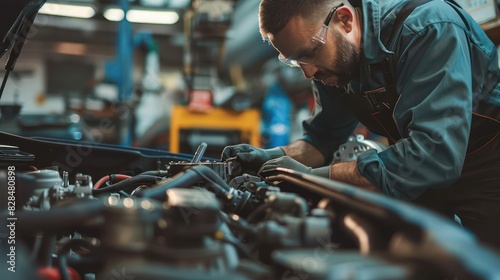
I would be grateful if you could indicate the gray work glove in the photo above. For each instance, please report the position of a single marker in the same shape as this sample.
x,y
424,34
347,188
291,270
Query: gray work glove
x,y
290,163
250,158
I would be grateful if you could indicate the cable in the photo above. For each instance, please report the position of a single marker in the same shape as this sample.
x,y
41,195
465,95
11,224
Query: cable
x,y
119,177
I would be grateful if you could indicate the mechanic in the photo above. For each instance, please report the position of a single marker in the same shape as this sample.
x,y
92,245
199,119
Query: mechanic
x,y
421,73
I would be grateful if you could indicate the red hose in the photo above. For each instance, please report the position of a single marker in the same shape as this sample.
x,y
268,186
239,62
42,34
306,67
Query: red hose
x,y
117,177
52,273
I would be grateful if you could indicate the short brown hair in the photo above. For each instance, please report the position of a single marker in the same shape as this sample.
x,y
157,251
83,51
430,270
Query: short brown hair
x,y
275,14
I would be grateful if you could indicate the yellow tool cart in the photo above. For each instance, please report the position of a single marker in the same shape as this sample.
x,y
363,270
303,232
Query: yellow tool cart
x,y
217,127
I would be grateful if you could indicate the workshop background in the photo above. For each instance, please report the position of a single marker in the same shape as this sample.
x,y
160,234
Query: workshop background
x,y
162,74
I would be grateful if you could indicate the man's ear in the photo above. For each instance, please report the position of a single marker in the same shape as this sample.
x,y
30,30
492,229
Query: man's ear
x,y
345,17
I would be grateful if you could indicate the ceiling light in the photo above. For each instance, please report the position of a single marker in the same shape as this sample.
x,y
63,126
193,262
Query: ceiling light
x,y
77,11
114,14
155,17
142,16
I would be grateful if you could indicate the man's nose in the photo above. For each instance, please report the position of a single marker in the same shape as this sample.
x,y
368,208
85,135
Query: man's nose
x,y
309,70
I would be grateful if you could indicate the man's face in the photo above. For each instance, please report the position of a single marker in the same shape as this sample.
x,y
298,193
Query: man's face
x,y
334,63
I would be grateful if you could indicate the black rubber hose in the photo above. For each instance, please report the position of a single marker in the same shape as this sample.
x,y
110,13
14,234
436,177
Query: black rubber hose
x,y
62,263
74,214
127,183
44,255
187,179
221,187
212,175
63,268
158,173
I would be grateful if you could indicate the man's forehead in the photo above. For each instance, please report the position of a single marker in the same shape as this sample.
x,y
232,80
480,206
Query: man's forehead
x,y
294,37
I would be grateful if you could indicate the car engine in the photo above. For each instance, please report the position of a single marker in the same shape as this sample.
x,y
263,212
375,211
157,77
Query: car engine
x,y
173,216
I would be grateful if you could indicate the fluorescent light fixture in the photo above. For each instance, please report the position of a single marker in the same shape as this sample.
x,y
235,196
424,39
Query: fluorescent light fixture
x,y
154,17
64,10
142,16
114,14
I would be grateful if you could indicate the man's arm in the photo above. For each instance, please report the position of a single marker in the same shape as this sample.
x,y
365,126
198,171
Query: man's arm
x,y
348,172
300,151
304,153
433,113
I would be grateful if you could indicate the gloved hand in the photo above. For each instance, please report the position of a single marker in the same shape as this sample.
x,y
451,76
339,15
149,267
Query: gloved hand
x,y
250,158
285,162
290,163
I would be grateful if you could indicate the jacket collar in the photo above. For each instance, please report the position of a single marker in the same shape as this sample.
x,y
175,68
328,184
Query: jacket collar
x,y
377,15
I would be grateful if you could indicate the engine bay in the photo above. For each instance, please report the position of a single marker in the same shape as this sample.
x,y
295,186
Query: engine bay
x,y
123,213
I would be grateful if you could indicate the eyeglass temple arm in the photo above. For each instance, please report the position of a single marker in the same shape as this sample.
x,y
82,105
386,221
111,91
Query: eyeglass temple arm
x,y
320,36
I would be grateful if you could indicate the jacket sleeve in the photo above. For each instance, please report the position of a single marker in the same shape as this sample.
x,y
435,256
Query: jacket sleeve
x,y
433,114
330,124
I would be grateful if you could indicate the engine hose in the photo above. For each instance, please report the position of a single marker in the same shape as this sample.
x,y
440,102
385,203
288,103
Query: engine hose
x,y
59,218
103,180
127,183
187,179
63,268
44,253
159,173
65,249
213,177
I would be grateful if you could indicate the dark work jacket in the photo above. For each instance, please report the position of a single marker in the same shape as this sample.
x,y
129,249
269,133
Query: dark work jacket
x,y
442,115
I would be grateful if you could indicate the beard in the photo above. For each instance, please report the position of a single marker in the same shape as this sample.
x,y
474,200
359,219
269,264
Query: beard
x,y
347,64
